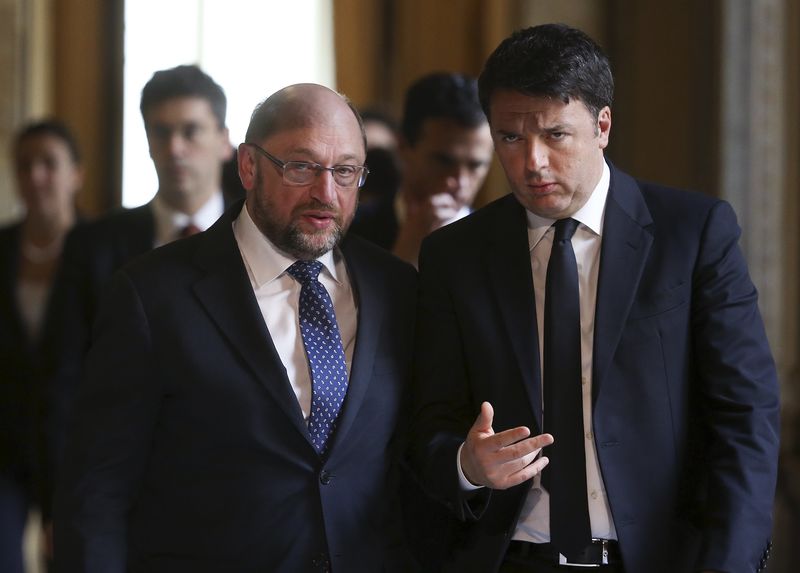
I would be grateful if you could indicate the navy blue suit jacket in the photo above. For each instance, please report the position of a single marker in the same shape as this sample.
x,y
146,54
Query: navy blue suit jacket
x,y
188,450
685,396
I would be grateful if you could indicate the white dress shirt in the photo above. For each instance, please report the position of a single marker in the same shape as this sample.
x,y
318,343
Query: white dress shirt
x,y
278,297
169,223
534,520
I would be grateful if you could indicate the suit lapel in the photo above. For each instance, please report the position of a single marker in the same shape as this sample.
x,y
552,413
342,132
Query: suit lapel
x,y
508,262
227,296
371,295
626,244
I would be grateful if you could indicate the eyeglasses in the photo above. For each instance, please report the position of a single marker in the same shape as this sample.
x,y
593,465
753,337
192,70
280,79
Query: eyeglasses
x,y
305,172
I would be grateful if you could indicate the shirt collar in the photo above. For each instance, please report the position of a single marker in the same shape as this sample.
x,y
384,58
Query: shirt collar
x,y
265,260
169,222
590,215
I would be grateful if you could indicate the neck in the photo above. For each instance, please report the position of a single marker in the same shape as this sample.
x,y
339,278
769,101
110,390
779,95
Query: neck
x,y
42,230
187,204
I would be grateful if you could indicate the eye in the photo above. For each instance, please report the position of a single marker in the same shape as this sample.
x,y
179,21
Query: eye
x,y
302,166
50,163
510,138
160,132
344,170
190,131
558,135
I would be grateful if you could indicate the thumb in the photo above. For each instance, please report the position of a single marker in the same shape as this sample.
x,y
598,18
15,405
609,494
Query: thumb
x,y
483,423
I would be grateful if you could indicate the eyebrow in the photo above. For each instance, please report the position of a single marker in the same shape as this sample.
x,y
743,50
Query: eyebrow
x,y
559,127
309,152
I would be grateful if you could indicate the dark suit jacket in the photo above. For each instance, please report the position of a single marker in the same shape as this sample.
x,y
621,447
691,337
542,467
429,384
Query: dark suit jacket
x,y
21,368
685,396
188,451
93,252
377,222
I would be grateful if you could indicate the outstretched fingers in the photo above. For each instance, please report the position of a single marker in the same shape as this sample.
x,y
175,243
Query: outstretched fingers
x,y
504,459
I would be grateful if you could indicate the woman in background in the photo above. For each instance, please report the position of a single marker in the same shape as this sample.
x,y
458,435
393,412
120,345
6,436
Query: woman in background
x,y
48,175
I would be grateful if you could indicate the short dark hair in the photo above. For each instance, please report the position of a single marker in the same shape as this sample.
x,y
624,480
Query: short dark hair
x,y
552,60
50,127
184,81
441,95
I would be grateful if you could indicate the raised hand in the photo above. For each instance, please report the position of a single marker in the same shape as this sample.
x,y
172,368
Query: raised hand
x,y
503,460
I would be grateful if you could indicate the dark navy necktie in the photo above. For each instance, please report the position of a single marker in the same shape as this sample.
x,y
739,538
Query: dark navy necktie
x,y
565,476
324,350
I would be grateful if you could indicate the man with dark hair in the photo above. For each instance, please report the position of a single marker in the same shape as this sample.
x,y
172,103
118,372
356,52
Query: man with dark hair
x,y
184,81
445,151
184,116
594,384
245,384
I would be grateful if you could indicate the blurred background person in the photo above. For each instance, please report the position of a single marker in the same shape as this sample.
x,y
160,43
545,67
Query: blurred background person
x,y
381,129
183,110
445,152
378,192
48,175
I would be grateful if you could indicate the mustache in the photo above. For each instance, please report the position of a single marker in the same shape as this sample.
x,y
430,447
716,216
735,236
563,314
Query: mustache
x,y
317,205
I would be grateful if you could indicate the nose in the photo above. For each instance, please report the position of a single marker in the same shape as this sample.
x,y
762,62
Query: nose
x,y
37,173
324,188
458,179
176,144
537,155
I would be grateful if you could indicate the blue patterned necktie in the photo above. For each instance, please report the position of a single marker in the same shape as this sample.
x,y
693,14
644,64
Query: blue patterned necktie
x,y
324,350
565,476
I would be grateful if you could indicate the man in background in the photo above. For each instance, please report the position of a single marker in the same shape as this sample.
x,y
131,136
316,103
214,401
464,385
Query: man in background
x,y
445,151
184,117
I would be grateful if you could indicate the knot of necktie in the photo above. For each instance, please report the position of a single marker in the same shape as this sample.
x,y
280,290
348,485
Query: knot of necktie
x,y
565,228
305,271
188,231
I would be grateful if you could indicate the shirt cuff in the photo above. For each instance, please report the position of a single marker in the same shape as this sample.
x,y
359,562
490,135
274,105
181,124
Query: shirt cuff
x,y
466,485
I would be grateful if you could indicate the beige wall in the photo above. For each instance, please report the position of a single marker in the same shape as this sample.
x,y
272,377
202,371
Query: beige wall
x,y
62,58
25,69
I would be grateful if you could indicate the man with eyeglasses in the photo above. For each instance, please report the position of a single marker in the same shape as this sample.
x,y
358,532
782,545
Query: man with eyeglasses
x,y
245,385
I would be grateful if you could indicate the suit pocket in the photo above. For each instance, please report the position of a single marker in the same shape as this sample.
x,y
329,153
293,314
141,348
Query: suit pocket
x,y
649,304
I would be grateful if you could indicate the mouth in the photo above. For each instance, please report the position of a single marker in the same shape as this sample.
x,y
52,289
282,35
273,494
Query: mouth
x,y
543,188
176,169
319,220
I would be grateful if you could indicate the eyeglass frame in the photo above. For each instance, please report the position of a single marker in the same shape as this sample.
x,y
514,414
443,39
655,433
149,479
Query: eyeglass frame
x,y
315,167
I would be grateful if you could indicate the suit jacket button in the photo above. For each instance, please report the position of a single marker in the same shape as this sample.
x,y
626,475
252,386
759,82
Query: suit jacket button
x,y
320,563
324,477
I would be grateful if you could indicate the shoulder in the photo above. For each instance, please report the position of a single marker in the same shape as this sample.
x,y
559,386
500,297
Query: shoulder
x,y
662,201
9,251
681,212
676,202
377,224
9,234
496,225
118,223
365,257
